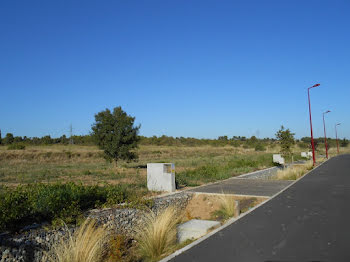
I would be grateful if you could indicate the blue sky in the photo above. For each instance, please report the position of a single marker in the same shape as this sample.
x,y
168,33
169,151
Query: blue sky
x,y
182,68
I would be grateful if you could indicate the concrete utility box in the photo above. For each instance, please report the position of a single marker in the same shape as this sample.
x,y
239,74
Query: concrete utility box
x,y
304,154
277,158
161,177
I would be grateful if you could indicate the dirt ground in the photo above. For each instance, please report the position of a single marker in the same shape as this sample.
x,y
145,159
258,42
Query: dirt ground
x,y
203,206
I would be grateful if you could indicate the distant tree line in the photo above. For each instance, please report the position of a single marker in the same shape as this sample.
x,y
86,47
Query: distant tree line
x,y
237,141
305,142
190,141
46,140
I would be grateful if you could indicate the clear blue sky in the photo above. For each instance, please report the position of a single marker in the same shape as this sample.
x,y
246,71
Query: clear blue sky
x,y
182,68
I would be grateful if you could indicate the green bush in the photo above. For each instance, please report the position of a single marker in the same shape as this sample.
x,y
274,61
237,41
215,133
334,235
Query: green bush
x,y
260,147
48,202
304,145
16,146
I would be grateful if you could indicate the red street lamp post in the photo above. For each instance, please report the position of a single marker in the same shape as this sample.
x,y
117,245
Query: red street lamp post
x,y
336,136
312,136
325,136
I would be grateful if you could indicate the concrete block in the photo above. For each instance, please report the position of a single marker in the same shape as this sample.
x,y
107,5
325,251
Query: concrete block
x,y
277,158
304,154
195,228
161,177
309,154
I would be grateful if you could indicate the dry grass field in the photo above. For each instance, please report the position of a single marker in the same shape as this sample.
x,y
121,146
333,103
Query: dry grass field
x,y
85,164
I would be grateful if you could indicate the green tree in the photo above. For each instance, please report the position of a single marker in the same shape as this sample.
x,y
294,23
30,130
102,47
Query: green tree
x,y
115,133
223,138
8,139
286,139
47,140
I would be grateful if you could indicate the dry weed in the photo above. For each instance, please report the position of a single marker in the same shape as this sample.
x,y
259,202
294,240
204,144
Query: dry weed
x,y
87,244
294,172
157,235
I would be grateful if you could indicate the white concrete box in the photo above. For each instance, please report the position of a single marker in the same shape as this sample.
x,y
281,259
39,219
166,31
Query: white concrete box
x,y
277,158
304,154
161,177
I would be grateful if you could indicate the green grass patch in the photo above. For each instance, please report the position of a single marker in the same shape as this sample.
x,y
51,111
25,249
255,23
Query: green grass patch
x,y
55,202
218,171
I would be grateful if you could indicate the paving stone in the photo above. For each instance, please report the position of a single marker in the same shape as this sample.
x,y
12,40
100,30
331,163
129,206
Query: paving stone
x,y
195,228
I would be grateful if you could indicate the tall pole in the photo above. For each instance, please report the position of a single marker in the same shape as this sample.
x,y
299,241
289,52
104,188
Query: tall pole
x,y
336,136
325,136
71,134
312,136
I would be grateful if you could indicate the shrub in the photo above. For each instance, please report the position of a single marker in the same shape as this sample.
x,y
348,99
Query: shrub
x,y
87,244
286,139
54,202
16,146
260,147
157,235
304,145
227,207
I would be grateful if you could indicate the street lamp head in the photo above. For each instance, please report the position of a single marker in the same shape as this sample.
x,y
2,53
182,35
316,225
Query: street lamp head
x,y
313,86
328,111
338,124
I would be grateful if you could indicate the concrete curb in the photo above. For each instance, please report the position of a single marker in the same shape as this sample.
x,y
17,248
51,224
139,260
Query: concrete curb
x,y
232,220
224,194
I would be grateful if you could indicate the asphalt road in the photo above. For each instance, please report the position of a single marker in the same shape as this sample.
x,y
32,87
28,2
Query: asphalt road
x,y
310,221
244,186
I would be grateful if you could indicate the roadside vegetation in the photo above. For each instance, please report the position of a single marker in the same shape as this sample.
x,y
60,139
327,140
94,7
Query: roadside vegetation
x,y
227,207
57,203
88,244
157,234
294,172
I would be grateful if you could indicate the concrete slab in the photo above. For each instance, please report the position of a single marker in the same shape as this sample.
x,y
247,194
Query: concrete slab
x,y
241,186
195,228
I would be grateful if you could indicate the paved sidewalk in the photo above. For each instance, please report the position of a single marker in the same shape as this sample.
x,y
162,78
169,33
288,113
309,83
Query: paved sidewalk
x,y
310,221
244,186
